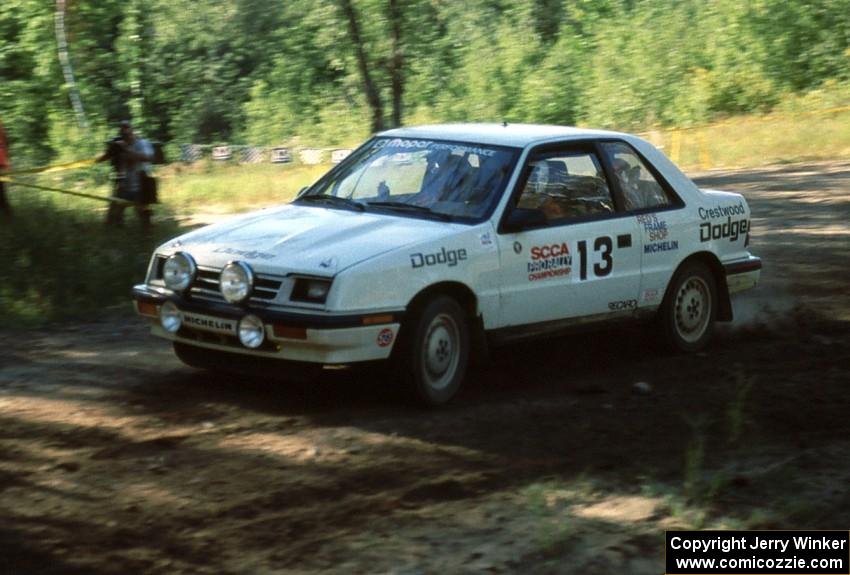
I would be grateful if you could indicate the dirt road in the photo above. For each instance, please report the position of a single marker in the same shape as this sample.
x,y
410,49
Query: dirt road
x,y
114,458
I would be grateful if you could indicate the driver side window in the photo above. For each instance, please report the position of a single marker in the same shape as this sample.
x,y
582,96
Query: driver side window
x,y
565,186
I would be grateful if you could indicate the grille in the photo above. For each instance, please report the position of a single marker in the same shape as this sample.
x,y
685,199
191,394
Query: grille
x,y
205,286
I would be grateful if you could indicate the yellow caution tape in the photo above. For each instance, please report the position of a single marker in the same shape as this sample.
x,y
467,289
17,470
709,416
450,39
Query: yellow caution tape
x,y
6,177
54,168
68,192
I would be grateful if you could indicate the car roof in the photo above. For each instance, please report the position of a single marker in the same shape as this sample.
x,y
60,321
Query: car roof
x,y
505,134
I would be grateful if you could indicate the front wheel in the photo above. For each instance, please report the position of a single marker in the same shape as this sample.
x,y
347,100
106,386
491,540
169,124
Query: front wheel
x,y
435,351
690,308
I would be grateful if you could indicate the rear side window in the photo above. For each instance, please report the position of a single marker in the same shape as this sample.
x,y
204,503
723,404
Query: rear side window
x,y
640,188
566,186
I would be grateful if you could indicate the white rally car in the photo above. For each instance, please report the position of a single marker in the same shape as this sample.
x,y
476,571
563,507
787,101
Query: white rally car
x,y
428,244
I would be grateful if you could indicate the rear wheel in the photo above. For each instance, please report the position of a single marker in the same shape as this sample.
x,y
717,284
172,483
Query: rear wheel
x,y
689,310
434,353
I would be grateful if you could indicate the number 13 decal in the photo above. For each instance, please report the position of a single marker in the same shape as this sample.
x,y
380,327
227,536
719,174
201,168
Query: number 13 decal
x,y
605,247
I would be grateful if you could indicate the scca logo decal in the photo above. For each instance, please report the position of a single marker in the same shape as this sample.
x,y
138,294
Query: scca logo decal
x,y
541,252
444,256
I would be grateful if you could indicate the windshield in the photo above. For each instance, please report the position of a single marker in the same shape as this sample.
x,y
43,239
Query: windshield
x,y
420,178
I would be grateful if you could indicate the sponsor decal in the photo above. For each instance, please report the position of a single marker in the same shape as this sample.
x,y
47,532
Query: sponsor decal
x,y
655,228
729,229
428,145
651,294
660,247
548,261
486,239
622,305
656,232
247,254
517,247
722,212
385,337
442,257
209,323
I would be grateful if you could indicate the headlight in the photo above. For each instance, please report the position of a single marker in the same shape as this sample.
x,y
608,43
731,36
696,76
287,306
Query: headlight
x,y
236,282
170,318
252,333
311,290
179,271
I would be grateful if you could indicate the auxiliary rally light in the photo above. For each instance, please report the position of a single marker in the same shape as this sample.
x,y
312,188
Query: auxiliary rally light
x,y
170,317
252,332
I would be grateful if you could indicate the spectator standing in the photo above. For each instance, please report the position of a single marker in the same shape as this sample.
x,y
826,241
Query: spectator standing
x,y
130,158
5,208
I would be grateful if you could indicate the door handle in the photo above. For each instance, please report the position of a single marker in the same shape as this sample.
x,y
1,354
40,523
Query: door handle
x,y
624,241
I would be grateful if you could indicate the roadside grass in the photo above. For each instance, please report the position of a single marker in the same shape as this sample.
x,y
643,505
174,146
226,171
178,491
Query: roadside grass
x,y
61,261
233,187
752,141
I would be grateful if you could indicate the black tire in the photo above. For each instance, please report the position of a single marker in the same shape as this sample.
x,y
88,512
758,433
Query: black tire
x,y
433,352
689,310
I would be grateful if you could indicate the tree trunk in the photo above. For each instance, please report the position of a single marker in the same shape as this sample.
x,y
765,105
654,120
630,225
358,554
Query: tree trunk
x,y
396,62
372,95
67,70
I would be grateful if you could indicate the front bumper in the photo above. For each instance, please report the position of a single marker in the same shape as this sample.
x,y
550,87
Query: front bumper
x,y
742,274
319,338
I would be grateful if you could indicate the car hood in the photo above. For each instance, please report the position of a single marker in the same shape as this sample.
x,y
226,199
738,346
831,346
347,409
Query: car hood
x,y
311,239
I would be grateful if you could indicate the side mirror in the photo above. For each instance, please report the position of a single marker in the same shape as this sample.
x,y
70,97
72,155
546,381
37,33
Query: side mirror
x,y
524,218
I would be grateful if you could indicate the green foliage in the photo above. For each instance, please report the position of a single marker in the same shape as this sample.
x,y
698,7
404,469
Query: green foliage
x,y
265,72
62,262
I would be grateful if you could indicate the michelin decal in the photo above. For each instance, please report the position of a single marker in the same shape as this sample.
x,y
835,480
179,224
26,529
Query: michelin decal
x,y
656,234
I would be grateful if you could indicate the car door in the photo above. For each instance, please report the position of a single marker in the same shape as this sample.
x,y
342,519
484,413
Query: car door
x,y
567,249
658,211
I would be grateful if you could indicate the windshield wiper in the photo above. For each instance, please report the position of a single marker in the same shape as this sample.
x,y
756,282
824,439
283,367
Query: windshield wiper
x,y
411,208
329,199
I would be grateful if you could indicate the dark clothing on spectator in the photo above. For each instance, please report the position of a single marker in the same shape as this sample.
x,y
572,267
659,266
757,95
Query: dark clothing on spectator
x,y
129,158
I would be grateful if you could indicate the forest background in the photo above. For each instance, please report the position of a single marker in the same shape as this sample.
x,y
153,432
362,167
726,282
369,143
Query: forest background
x,y
330,72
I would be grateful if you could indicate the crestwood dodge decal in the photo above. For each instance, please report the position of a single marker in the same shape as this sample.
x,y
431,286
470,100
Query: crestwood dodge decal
x,y
709,230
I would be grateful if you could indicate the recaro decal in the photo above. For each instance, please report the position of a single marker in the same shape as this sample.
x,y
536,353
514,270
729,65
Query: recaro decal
x,y
443,257
622,305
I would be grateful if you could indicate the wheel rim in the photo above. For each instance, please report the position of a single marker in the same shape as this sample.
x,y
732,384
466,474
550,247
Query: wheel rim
x,y
440,351
693,309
